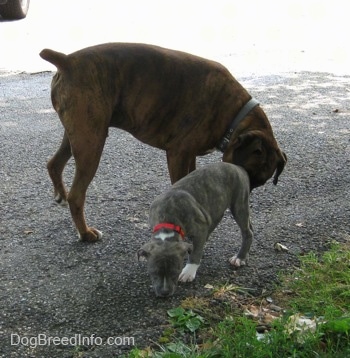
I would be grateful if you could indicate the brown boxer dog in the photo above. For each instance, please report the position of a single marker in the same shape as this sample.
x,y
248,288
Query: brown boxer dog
x,y
178,102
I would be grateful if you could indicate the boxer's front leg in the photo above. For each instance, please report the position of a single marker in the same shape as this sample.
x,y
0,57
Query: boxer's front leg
x,y
179,164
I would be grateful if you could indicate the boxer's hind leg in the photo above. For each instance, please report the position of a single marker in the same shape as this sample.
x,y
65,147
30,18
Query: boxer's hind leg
x,y
55,167
87,152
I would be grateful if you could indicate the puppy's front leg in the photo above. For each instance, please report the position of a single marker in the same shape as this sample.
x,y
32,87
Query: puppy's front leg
x,y
188,273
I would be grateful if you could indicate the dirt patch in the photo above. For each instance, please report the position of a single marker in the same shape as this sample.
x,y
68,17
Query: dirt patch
x,y
54,286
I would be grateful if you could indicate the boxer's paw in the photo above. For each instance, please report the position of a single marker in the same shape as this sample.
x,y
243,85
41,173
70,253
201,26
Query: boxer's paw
x,y
237,262
188,273
92,235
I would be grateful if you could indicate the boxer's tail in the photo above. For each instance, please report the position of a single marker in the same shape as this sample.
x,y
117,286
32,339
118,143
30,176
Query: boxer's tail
x,y
58,59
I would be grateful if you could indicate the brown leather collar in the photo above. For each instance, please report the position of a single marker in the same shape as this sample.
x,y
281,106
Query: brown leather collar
x,y
252,103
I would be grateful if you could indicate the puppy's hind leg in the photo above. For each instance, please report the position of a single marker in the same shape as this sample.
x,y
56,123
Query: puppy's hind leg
x,y
242,218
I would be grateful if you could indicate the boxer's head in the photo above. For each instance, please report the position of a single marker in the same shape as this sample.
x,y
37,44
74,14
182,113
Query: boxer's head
x,y
259,155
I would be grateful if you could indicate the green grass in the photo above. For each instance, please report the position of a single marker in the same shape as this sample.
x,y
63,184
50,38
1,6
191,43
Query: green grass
x,y
318,291
322,286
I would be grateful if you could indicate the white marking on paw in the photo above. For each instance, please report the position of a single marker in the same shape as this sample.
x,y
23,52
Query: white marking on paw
x,y
164,235
98,232
237,262
60,201
188,273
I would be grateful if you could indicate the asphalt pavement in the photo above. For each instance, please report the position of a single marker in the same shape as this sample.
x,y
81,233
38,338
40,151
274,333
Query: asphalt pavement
x,y
62,298
55,289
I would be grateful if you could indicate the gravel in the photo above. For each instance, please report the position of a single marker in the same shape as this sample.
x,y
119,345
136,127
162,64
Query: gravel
x,y
52,285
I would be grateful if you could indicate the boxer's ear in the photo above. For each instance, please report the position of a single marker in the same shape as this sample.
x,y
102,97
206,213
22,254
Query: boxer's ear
x,y
282,160
239,141
251,138
243,145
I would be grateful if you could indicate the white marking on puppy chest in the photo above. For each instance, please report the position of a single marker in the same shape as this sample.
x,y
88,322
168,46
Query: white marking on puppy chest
x,y
164,235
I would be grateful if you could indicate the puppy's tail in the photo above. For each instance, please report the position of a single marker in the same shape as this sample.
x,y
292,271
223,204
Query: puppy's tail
x,y
59,59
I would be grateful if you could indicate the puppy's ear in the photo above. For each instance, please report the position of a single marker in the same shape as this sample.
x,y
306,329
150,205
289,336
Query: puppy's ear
x,y
142,255
144,252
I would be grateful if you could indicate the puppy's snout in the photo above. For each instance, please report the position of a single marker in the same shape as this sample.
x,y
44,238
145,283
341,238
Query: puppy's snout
x,y
164,292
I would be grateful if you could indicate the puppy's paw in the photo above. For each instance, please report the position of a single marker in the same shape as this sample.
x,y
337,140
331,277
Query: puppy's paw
x,y
237,262
61,200
188,273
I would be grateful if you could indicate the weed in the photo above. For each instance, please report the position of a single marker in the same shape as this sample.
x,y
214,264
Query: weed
x,y
185,320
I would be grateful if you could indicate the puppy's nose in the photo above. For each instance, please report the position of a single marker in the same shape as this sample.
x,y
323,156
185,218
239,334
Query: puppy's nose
x,y
164,292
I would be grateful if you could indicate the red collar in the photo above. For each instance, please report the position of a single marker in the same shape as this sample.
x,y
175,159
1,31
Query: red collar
x,y
169,226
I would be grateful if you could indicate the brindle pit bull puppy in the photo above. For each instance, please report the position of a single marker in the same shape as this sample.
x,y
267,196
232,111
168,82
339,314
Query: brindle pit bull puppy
x,y
171,100
193,207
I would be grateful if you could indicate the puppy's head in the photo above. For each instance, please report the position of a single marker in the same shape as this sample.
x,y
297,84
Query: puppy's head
x,y
259,155
164,262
